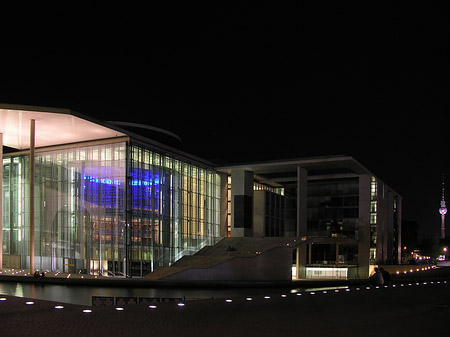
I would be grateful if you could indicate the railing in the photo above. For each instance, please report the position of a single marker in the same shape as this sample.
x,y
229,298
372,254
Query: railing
x,y
98,301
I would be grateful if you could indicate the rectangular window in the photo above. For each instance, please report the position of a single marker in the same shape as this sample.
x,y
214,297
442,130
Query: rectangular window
x,y
243,211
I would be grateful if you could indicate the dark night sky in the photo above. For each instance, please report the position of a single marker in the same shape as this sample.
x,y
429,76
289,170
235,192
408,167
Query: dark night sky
x,y
275,83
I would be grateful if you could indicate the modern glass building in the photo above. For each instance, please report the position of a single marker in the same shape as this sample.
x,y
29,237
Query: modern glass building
x,y
121,206
83,196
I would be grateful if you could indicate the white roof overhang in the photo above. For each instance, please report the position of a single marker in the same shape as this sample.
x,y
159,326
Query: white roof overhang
x,y
52,127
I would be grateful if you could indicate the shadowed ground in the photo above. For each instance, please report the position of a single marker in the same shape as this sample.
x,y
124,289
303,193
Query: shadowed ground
x,y
411,309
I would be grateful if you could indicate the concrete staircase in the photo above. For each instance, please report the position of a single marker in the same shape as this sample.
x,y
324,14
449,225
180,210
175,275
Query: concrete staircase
x,y
225,250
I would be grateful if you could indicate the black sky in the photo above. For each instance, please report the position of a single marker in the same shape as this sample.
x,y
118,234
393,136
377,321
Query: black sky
x,y
273,83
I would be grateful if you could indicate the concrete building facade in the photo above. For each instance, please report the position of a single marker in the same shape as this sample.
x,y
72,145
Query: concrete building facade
x,y
350,218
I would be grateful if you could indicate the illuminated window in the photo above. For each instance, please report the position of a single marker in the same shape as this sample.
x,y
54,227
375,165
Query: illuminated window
x,y
326,273
101,214
229,206
373,215
372,254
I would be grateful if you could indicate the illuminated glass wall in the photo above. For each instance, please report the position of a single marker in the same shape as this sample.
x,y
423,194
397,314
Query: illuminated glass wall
x,y
373,219
79,209
109,209
174,209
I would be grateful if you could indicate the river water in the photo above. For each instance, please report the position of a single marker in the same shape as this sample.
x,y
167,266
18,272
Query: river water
x,y
83,294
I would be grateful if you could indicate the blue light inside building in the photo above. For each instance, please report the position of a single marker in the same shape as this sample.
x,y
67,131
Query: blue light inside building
x,y
145,187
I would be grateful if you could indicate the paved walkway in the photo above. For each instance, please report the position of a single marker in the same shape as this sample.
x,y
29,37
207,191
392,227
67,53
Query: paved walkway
x,y
408,309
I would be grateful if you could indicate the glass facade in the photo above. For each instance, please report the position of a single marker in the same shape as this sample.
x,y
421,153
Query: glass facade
x,y
333,207
373,219
273,214
114,208
174,209
333,211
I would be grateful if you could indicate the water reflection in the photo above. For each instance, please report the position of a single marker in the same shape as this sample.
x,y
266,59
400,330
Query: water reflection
x,y
83,295
19,290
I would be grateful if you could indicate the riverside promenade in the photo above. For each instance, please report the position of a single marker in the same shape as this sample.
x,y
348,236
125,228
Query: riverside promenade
x,y
408,307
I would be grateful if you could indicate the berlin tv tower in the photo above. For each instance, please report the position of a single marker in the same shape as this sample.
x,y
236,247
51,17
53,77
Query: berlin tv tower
x,y
443,211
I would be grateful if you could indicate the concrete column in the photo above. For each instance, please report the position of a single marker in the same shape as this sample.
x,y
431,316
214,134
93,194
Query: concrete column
x,y
223,205
337,253
301,261
1,200
399,231
31,205
389,228
259,213
310,253
241,203
302,198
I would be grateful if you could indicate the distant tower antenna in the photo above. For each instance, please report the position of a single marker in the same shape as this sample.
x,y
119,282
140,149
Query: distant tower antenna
x,y
443,209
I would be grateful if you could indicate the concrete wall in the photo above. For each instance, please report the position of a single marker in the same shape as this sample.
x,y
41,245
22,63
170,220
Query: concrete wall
x,y
259,203
273,265
385,226
389,228
241,195
392,236
399,227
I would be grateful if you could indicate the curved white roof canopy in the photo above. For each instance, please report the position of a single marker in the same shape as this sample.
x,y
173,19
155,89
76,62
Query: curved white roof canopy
x,y
148,127
52,127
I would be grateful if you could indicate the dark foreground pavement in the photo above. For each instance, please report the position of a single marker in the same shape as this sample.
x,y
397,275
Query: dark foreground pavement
x,y
412,309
